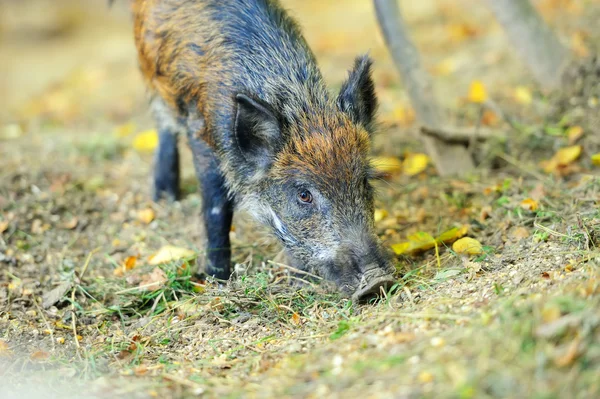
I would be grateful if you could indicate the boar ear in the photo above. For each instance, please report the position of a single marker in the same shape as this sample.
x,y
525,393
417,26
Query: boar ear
x,y
357,95
257,133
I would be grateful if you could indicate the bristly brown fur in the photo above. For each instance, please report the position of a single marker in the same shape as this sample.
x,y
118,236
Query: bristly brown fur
x,y
240,79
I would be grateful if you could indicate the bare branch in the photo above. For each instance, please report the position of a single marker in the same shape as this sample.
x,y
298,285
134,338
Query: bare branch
x,y
532,38
454,134
449,158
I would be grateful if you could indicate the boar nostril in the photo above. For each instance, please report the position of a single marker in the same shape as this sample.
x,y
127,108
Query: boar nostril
x,y
372,285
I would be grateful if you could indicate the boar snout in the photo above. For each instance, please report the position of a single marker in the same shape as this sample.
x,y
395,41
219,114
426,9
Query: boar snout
x,y
373,281
368,272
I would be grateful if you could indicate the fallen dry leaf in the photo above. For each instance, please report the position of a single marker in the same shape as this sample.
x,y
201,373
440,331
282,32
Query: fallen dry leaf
x,y
386,165
425,377
574,133
449,236
489,118
295,319
570,354
461,31
154,280
71,223
401,248
520,232
485,213
551,313
522,95
128,264
568,155
529,204
380,214
403,115
169,253
467,245
578,44
4,348
422,241
3,226
125,130
538,192
57,294
445,67
146,215
563,157
39,355
146,141
414,164
477,93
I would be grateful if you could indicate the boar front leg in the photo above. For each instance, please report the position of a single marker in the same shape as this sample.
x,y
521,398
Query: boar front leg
x,y
217,209
166,161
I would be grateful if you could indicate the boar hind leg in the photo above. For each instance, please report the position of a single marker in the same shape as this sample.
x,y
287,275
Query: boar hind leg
x,y
166,162
217,209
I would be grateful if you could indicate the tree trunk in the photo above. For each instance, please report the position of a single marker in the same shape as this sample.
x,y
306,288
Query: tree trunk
x,y
449,158
534,41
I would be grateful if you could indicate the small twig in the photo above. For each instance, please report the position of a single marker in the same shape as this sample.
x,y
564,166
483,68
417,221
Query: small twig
x,y
462,135
428,316
74,317
46,323
294,269
185,382
295,278
514,162
140,287
550,231
409,295
87,262
585,230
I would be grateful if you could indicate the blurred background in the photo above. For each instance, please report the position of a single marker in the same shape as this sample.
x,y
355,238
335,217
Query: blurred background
x,y
73,62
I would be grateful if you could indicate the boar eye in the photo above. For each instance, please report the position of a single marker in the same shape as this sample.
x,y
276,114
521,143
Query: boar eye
x,y
305,197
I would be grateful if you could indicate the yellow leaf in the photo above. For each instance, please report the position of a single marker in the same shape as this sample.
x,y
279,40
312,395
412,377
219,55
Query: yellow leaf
x,y
596,159
446,67
386,164
404,115
568,155
467,245
401,248
563,157
460,32
146,215
523,95
380,214
296,319
421,241
550,313
39,355
529,204
4,348
578,44
146,141
414,164
169,253
425,377
574,133
3,226
451,235
477,93
125,130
